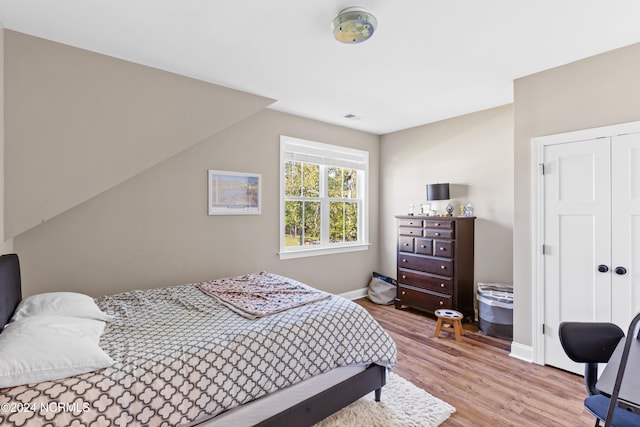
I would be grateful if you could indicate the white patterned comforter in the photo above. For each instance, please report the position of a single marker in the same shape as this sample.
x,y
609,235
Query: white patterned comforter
x,y
182,357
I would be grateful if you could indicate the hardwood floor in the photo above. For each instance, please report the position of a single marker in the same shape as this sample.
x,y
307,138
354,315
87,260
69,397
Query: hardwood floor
x,y
478,377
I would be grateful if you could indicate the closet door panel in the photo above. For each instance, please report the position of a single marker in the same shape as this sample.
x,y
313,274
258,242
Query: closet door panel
x,y
625,238
577,239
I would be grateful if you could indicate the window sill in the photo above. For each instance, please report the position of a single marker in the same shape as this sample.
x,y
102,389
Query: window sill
x,y
302,253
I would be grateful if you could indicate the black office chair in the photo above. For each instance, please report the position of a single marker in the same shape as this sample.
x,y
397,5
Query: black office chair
x,y
594,343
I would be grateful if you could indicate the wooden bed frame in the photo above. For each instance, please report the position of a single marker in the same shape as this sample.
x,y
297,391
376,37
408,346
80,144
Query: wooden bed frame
x,y
305,413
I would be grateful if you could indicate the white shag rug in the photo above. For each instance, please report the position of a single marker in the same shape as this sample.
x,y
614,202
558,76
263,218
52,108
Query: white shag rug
x,y
402,405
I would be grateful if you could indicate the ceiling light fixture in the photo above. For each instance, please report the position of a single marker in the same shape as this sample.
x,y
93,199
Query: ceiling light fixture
x,y
353,25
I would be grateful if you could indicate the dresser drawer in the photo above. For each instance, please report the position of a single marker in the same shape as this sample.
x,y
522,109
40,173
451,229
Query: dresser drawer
x,y
443,267
428,300
406,244
443,248
435,223
437,233
425,281
424,246
410,223
409,231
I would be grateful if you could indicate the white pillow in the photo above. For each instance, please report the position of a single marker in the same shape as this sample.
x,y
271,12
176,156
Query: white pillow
x,y
60,303
45,348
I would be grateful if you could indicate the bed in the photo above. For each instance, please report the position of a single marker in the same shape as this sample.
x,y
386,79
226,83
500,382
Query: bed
x,y
182,357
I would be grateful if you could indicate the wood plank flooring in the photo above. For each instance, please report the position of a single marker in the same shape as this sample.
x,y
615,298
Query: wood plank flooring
x,y
478,377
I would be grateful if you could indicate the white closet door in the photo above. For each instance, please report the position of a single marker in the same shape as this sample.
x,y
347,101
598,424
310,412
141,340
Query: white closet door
x,y
625,194
577,239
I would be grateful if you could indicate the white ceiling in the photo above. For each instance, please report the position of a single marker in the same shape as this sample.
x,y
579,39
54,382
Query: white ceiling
x,y
428,60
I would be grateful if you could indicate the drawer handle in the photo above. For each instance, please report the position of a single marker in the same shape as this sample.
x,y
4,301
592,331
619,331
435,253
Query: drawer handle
x,y
423,246
437,224
441,248
437,234
410,222
442,285
406,244
441,302
404,260
404,277
403,292
443,267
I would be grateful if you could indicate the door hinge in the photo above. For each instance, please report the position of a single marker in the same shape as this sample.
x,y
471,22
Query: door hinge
x,y
543,329
544,249
541,165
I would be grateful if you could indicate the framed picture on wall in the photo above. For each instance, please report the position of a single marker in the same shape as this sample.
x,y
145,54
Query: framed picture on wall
x,y
234,193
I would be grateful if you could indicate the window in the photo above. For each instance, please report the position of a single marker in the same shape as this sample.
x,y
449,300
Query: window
x,y
323,204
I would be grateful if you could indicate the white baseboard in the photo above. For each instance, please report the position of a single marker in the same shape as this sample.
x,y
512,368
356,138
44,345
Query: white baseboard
x,y
522,352
358,293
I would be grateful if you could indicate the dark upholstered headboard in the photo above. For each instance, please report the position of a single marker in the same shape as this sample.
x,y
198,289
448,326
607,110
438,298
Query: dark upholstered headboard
x,y
10,288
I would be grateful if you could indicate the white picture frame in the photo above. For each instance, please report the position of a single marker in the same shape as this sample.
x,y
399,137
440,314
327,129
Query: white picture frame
x,y
234,193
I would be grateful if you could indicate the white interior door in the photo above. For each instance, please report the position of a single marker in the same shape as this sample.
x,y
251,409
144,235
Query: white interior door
x,y
577,239
625,194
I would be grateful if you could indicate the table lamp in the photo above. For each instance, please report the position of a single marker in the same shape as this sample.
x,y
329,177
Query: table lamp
x,y
440,192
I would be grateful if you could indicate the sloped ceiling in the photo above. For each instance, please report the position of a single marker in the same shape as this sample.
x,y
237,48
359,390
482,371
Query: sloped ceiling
x,y
78,123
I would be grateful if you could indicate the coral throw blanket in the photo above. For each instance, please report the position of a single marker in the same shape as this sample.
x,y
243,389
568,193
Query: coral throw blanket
x,y
261,294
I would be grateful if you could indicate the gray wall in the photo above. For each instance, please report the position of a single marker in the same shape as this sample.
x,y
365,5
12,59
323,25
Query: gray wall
x,y
597,91
474,154
151,228
78,123
6,243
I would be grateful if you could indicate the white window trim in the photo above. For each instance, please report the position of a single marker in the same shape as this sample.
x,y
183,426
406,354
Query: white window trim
x,y
307,251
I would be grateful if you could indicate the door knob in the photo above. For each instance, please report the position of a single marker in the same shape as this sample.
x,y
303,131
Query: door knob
x,y
603,268
620,270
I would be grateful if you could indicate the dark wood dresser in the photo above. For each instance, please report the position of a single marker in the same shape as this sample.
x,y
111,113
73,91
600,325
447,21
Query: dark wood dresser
x,y
435,263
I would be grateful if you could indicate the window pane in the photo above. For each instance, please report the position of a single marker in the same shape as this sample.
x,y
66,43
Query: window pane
x,y
293,223
302,223
343,222
334,182
349,184
292,178
341,183
311,223
310,180
301,179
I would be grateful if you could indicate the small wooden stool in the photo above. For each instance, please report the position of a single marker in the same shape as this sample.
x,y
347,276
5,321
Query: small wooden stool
x,y
449,321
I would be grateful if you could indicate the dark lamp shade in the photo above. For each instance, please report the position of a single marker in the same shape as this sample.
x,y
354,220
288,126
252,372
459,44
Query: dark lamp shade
x,y
438,191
